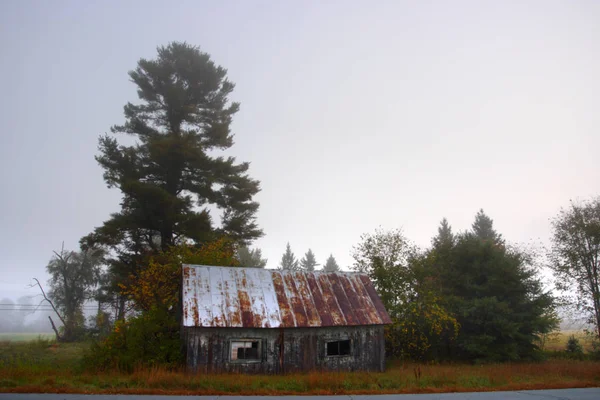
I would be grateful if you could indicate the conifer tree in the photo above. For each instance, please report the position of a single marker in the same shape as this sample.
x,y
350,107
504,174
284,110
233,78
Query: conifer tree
x,y
288,260
309,261
331,265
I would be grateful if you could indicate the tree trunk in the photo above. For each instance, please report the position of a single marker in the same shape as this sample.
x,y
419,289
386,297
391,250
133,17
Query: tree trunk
x,y
58,337
597,313
166,239
121,308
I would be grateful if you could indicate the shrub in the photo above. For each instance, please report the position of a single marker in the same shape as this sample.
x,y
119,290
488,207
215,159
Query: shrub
x,y
573,346
149,339
419,329
152,337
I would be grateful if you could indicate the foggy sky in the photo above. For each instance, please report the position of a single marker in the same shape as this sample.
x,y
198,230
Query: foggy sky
x,y
353,115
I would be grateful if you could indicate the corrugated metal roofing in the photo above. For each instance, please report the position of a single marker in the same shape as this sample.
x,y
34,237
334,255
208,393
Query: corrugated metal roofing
x,y
268,298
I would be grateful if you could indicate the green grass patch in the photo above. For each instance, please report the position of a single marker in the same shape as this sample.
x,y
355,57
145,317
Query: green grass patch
x,y
25,337
557,341
41,355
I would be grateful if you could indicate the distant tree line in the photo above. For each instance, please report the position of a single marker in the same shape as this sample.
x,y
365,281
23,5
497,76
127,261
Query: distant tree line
x,y
307,263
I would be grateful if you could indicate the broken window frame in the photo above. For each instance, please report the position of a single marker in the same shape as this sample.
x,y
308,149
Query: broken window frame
x,y
259,357
338,341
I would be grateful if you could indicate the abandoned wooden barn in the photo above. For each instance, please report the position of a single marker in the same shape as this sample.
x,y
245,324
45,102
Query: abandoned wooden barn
x,y
271,321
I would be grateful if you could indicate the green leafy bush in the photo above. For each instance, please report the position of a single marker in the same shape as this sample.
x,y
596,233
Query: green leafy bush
x,y
149,339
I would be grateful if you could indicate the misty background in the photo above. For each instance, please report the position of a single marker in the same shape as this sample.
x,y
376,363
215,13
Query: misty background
x,y
354,115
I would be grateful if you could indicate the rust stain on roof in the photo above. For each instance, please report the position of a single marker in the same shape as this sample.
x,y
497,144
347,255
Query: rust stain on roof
x,y
320,305
363,298
262,298
375,299
287,319
342,299
353,300
307,299
330,299
296,300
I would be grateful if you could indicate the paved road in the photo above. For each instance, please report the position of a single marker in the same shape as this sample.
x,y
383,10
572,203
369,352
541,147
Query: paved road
x,y
558,394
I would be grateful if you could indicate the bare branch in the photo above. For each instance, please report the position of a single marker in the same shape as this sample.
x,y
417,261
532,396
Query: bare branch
x,y
49,301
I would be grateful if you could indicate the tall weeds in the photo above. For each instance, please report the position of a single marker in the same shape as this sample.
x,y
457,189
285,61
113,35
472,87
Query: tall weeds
x,y
45,366
397,379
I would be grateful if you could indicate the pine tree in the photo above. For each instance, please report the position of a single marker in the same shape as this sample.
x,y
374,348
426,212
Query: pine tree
x,y
184,115
445,238
483,228
288,260
331,265
250,258
309,261
493,292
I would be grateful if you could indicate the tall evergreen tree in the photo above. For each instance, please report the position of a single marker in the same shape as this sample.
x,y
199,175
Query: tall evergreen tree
x,y
444,238
498,300
493,292
169,177
438,257
288,260
309,261
248,257
483,228
331,265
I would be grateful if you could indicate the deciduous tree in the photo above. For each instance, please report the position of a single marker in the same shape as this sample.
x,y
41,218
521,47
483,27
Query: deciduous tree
x,y
73,279
385,257
575,256
159,284
399,273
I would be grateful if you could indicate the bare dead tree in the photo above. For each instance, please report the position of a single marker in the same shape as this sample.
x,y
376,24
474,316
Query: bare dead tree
x,y
46,299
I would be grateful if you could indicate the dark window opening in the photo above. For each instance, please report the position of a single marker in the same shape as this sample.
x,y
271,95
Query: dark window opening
x,y
338,348
245,350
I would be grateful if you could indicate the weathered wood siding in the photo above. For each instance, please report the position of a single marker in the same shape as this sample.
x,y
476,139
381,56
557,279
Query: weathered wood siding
x,y
286,350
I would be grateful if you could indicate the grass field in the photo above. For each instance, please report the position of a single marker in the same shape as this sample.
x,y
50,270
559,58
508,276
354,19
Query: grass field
x,y
26,336
44,366
558,340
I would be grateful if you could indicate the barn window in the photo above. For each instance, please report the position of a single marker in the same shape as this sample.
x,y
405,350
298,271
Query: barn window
x,y
245,350
338,348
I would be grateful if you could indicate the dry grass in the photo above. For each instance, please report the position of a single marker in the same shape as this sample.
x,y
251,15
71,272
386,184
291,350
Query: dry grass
x,y
558,341
45,367
397,379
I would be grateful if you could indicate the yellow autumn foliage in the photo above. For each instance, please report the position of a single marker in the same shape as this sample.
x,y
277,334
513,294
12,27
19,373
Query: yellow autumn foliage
x,y
417,327
158,284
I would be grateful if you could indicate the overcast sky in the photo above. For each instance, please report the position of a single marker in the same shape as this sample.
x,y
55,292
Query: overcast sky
x,y
353,114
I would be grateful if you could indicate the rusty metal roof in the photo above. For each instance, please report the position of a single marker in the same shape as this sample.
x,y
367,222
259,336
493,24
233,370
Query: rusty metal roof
x,y
268,298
